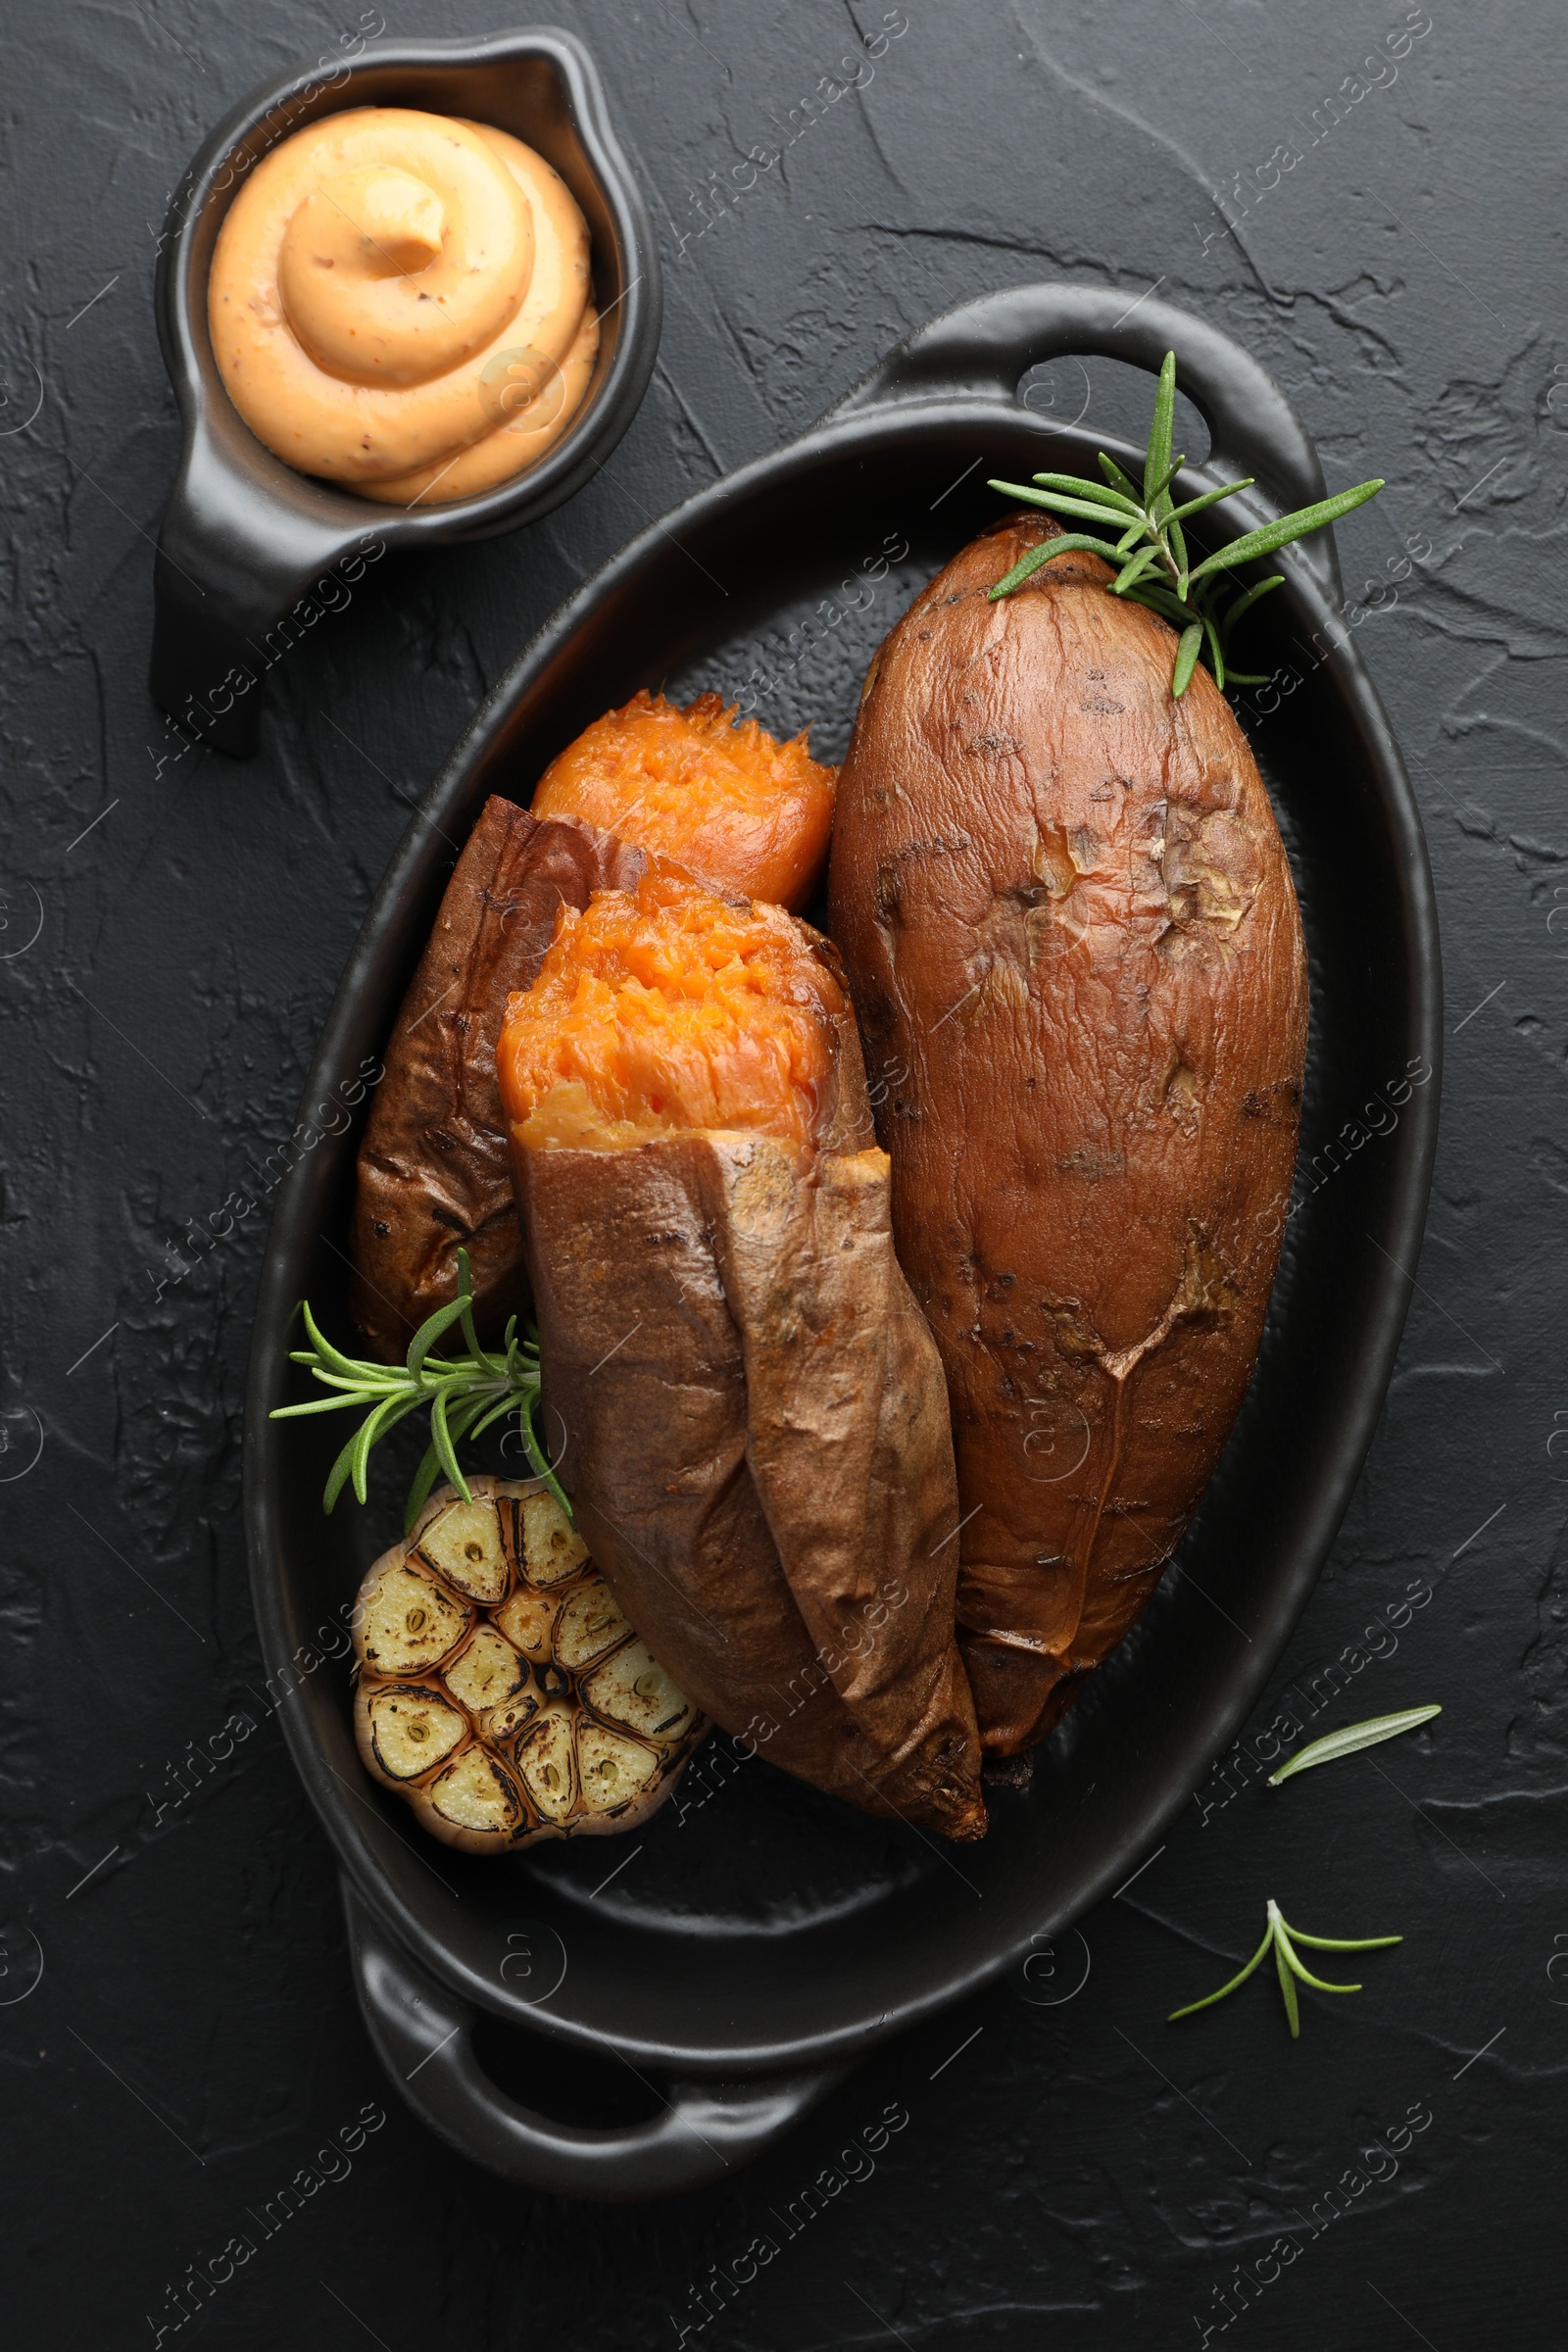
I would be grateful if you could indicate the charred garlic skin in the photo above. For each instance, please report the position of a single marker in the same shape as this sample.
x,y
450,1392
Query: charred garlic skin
x,y
500,1690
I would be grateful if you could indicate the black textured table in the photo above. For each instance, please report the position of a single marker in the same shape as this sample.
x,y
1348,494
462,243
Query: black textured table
x,y
198,2142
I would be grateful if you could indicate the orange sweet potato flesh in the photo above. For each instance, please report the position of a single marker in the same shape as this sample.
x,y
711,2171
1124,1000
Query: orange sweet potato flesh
x,y
750,1411
723,802
434,1172
1073,942
672,1010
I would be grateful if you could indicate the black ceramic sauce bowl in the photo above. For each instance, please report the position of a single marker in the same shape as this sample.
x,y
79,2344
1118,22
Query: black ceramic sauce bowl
x,y
762,1938
244,536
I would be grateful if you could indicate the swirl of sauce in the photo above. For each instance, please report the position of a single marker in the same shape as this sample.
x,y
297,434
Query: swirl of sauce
x,y
399,302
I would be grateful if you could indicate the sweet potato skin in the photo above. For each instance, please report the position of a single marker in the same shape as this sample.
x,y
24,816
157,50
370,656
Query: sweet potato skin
x,y
753,1432
1075,950
434,1175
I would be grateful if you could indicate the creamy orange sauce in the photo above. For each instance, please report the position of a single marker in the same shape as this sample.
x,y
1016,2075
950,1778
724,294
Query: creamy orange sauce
x,y
400,302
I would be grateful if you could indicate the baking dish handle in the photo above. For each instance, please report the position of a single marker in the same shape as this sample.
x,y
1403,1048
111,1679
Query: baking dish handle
x,y
424,2035
981,350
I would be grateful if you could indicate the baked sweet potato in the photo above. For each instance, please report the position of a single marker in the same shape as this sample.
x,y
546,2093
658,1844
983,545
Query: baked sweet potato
x,y
751,1409
721,800
433,1171
1074,947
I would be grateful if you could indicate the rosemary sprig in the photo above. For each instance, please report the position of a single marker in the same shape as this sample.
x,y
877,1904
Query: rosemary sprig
x,y
464,1395
1283,1940
1144,539
1351,1737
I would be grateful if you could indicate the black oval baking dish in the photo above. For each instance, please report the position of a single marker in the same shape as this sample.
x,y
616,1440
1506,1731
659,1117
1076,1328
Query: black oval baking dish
x,y
244,536
760,1939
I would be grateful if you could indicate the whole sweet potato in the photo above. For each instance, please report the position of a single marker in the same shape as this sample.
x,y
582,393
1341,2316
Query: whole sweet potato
x,y
749,1411
434,1170
1074,947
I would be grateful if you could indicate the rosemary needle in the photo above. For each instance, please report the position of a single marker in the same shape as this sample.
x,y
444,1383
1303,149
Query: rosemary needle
x,y
1351,1737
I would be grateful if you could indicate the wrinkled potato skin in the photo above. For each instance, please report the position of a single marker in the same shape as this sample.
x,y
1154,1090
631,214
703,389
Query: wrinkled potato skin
x,y
434,1170
1076,954
753,1432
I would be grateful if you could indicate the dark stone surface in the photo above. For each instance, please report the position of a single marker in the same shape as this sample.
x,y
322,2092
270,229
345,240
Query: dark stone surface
x,y
174,925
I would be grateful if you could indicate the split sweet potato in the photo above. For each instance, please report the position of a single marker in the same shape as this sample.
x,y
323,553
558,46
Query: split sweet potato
x,y
433,1173
654,782
718,799
1071,936
750,1410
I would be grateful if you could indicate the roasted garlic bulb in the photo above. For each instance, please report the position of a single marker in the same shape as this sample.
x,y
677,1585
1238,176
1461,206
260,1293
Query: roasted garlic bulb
x,y
501,1690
